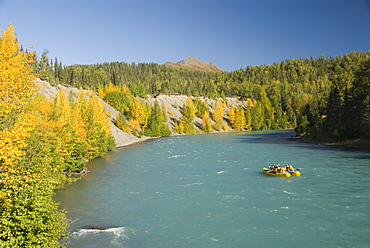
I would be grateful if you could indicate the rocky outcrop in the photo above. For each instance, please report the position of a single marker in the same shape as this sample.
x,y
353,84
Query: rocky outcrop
x,y
175,103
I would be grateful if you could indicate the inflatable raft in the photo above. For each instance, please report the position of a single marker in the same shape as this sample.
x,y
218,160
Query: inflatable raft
x,y
281,174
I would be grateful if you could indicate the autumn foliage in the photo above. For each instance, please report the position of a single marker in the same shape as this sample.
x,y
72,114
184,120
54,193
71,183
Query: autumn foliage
x,y
41,141
136,116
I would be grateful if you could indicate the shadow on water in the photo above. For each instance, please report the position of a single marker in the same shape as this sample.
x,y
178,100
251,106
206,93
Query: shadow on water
x,y
268,137
287,137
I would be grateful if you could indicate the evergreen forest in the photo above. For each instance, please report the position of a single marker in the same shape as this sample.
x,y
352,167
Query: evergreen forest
x,y
327,99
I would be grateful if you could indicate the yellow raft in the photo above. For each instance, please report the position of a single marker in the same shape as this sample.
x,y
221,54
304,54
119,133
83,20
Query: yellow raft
x,y
281,174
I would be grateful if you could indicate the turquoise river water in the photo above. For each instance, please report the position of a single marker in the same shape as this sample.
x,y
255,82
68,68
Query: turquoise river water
x,y
208,191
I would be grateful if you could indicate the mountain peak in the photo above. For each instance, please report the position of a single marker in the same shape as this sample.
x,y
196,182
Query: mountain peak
x,y
189,59
192,63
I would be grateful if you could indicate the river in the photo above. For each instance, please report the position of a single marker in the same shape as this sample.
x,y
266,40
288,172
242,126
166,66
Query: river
x,y
207,190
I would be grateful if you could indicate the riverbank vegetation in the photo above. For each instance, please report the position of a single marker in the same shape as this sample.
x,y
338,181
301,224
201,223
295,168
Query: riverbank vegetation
x,y
41,141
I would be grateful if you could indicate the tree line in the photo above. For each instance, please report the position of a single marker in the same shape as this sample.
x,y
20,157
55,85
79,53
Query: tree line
x,y
317,96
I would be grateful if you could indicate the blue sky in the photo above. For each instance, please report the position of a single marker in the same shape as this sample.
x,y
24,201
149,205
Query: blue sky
x,y
232,34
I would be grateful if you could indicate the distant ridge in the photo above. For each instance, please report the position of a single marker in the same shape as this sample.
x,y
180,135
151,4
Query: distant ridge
x,y
192,63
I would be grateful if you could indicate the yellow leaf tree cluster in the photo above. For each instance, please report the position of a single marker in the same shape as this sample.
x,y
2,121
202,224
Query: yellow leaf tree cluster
x,y
41,140
240,121
218,115
137,111
16,75
28,215
232,115
136,116
206,123
15,91
189,112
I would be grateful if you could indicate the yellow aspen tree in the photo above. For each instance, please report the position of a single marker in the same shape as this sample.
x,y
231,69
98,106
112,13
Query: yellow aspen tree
x,y
99,114
218,115
206,123
16,88
78,123
71,148
111,88
99,130
44,112
62,107
232,115
137,112
250,102
61,117
189,112
85,111
48,132
239,119
16,76
61,132
80,105
11,142
55,131
95,124
134,125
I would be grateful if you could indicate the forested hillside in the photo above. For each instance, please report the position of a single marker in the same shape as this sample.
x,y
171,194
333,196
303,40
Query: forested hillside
x,y
327,98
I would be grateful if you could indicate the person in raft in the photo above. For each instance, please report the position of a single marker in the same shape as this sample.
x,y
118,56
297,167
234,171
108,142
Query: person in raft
x,y
272,167
275,168
281,169
289,168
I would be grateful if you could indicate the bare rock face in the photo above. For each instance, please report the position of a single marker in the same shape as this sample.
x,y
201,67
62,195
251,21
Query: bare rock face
x,y
175,103
192,63
124,139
